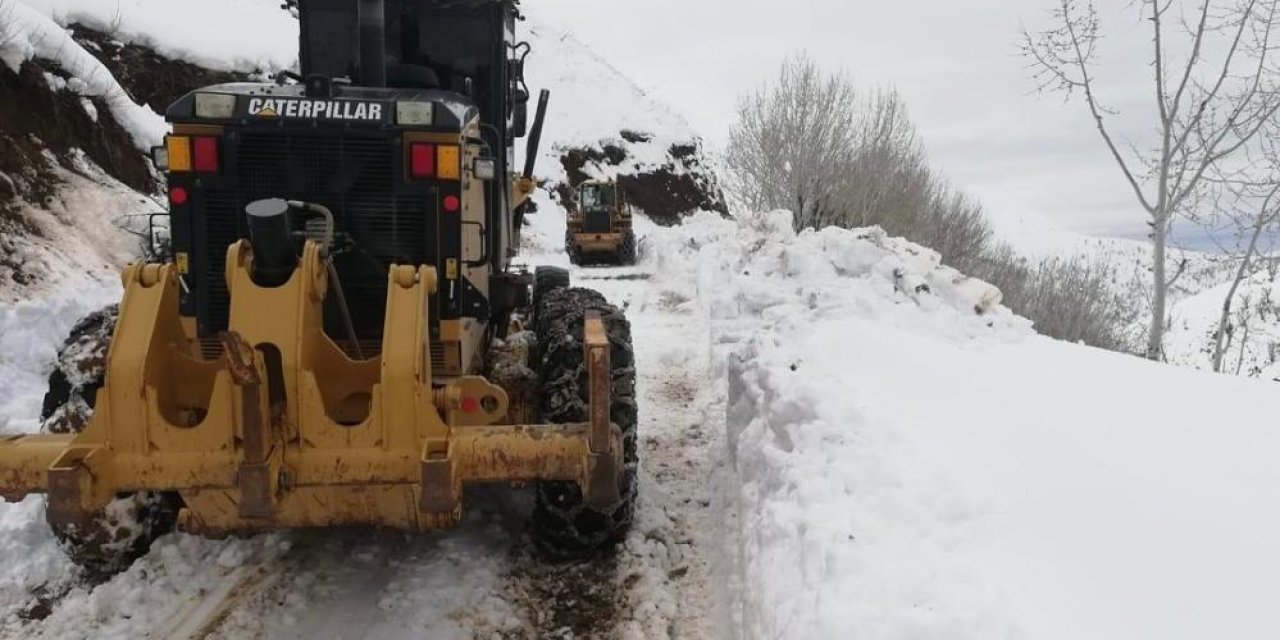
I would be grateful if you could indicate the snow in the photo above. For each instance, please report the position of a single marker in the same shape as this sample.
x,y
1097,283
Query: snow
x,y
75,257
905,467
240,35
29,33
591,102
840,437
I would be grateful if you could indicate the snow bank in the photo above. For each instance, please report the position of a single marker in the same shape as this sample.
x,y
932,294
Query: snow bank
x,y
907,468
27,33
228,35
30,334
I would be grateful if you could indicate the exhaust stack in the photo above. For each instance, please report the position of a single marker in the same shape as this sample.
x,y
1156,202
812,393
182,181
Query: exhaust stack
x,y
535,135
270,234
373,43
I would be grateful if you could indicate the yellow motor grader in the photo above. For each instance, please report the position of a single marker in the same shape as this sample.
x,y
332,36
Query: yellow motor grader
x,y
336,335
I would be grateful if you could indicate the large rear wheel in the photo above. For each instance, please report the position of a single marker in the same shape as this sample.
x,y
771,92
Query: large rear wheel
x,y
122,531
564,525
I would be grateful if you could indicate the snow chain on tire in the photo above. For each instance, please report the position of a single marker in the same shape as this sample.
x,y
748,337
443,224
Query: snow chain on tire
x,y
571,249
627,250
123,530
564,526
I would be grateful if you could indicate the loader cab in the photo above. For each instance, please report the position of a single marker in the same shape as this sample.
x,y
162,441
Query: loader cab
x,y
596,195
601,208
402,123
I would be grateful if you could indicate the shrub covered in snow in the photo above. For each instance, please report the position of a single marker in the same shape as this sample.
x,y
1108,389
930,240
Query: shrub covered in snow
x,y
1075,298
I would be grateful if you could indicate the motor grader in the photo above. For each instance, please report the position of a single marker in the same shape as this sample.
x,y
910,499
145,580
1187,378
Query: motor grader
x,y
337,335
599,225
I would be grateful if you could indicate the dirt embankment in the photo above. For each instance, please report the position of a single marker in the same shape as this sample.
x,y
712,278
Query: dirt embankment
x,y
666,192
149,77
48,129
43,122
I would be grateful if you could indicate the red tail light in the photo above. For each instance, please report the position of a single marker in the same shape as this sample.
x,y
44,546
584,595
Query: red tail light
x,y
205,154
422,160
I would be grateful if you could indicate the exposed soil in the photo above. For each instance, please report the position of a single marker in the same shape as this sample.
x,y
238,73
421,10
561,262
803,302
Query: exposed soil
x,y
667,197
566,600
666,194
34,118
635,136
150,78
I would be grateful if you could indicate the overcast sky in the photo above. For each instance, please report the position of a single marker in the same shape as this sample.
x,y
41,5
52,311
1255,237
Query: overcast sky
x,y
956,63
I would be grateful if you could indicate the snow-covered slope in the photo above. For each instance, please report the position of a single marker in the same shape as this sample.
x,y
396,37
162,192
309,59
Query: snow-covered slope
x,y
1253,344
241,35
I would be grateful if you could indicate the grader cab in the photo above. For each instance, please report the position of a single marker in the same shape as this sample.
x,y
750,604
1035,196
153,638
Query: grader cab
x,y
337,336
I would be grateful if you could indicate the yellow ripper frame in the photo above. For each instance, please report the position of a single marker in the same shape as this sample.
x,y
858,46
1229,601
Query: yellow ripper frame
x,y
286,431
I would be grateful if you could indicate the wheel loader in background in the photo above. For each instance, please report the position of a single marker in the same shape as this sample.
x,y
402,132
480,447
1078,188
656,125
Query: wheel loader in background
x,y
338,335
599,225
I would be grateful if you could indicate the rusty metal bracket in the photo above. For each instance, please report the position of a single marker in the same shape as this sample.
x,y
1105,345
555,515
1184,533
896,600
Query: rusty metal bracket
x,y
604,466
440,485
600,374
74,492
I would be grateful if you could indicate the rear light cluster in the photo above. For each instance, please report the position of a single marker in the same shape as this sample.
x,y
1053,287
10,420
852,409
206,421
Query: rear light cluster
x,y
443,161
188,154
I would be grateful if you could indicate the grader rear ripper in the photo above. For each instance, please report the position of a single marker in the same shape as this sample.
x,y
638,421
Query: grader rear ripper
x,y
339,337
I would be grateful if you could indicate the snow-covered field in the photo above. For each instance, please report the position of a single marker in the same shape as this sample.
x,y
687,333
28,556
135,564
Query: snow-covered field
x,y
839,438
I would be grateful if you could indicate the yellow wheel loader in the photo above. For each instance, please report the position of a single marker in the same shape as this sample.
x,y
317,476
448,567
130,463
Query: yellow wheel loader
x,y
336,336
599,225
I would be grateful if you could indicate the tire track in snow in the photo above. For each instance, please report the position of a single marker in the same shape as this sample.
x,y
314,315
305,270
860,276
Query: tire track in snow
x,y
197,618
665,569
388,585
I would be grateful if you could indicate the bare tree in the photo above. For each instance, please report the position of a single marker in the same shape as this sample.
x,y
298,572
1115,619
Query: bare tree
x,y
888,180
790,146
1248,206
812,144
1072,299
1214,85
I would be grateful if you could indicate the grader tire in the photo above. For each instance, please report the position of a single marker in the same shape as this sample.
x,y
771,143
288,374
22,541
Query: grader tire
x,y
123,530
78,374
546,280
564,526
